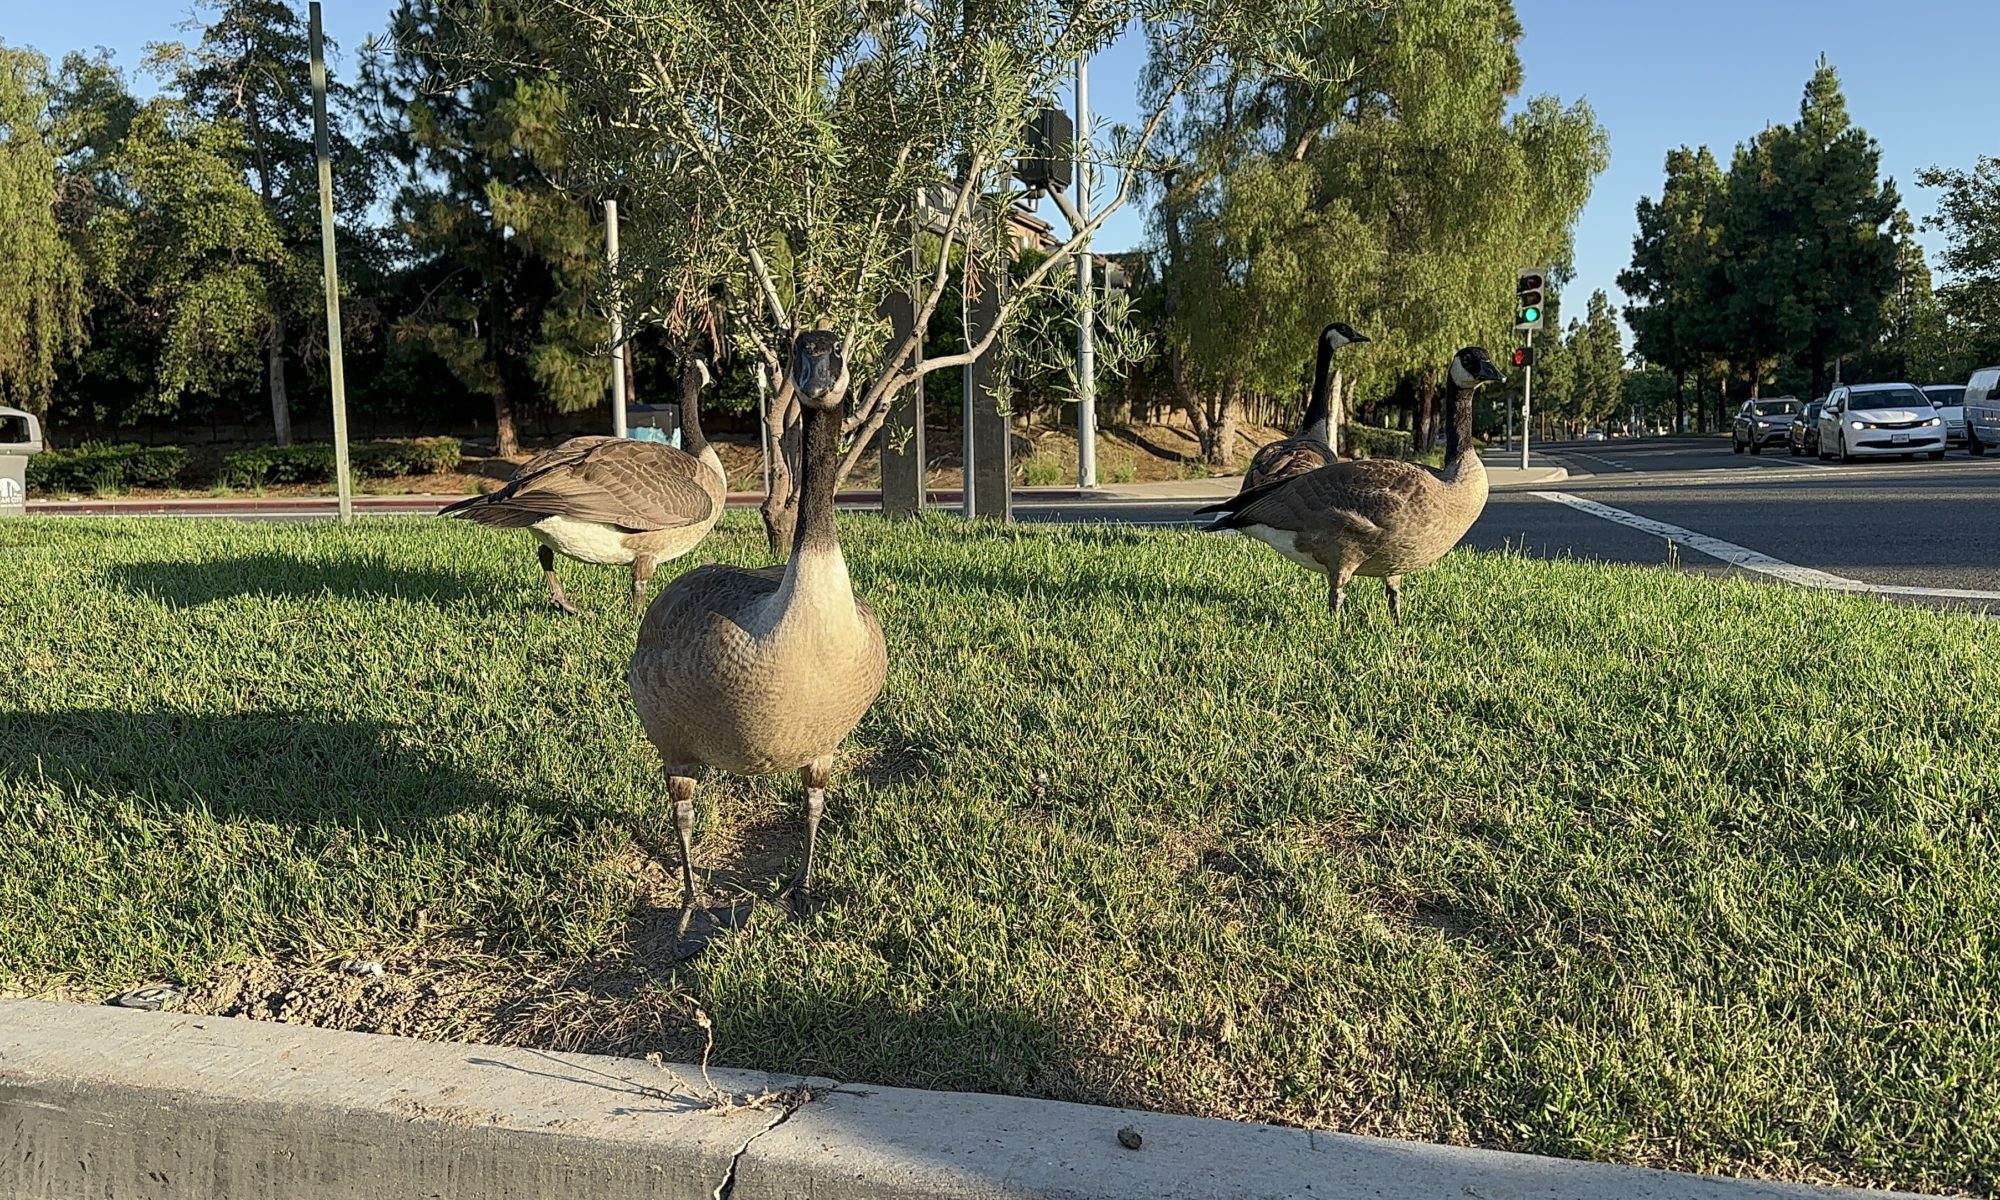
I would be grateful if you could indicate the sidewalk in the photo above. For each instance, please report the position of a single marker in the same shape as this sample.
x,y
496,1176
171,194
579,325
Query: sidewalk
x,y
102,1101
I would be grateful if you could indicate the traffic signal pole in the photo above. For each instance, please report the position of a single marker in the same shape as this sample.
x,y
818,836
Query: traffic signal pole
x,y
1527,393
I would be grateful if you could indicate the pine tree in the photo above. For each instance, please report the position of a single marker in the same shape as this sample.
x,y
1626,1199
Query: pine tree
x,y
511,261
1674,265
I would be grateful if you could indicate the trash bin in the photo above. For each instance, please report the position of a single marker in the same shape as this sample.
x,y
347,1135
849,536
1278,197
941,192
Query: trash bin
x,y
654,423
20,437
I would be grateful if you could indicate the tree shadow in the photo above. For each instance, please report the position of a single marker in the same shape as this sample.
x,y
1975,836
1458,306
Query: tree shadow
x,y
291,768
190,585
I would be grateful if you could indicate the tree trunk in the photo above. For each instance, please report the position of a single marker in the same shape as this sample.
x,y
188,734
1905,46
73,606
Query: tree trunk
x,y
281,403
506,441
1222,426
1680,402
781,502
631,387
1819,387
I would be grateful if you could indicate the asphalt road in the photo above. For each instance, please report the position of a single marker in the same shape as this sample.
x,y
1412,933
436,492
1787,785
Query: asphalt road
x,y
1903,528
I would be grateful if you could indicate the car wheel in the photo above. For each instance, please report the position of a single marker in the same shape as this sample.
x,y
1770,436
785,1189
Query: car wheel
x,y
1794,447
1756,447
1846,454
1735,447
1973,445
1937,456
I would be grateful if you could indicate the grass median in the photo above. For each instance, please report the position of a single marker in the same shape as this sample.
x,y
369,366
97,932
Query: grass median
x,y
1590,861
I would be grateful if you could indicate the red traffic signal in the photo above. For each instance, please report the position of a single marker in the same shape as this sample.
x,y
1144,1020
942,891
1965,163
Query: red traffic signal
x,y
1523,356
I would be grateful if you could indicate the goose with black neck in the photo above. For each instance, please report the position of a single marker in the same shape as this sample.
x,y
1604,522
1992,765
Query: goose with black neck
x,y
759,671
1310,448
1374,517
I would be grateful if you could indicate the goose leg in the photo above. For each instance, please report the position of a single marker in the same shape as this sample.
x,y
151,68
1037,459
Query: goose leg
x,y
1336,588
815,777
556,596
1393,584
642,574
682,788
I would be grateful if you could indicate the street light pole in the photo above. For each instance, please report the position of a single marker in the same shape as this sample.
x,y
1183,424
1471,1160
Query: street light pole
x,y
618,427
330,269
1086,286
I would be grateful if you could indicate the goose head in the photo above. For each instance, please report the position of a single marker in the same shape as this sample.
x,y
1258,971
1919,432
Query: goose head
x,y
1471,367
819,369
1339,334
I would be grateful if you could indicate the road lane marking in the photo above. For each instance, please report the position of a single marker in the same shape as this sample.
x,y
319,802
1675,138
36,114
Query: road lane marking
x,y
1755,560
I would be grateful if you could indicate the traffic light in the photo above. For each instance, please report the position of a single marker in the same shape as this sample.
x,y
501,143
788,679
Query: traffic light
x,y
1524,356
1528,294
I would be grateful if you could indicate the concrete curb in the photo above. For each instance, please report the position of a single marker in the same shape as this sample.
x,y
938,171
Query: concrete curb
x,y
103,1102
1515,477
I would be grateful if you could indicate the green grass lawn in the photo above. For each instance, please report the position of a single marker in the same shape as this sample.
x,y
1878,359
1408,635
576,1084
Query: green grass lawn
x,y
1595,862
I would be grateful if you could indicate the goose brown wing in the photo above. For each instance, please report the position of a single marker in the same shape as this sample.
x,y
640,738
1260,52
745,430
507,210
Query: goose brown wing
x,y
1285,458
1363,495
612,481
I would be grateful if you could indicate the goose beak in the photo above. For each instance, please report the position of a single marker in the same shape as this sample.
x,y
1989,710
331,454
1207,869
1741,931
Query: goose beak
x,y
1488,373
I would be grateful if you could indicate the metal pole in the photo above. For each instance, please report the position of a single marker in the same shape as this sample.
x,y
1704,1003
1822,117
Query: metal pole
x,y
1086,334
1527,392
330,269
618,428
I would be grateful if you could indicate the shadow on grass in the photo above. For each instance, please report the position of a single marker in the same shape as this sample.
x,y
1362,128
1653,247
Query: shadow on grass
x,y
189,585
293,768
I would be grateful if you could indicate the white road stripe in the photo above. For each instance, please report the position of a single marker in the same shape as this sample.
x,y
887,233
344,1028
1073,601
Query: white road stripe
x,y
1754,560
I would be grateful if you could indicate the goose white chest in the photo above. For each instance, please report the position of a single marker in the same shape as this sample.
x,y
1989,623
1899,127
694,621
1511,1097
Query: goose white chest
x,y
1285,542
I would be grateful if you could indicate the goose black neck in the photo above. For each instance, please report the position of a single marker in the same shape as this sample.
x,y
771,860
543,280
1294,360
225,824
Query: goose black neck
x,y
1314,425
818,463
1458,429
692,440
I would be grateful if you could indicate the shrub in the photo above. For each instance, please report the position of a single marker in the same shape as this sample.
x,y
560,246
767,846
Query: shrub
x,y
1042,472
309,463
1369,441
102,468
407,456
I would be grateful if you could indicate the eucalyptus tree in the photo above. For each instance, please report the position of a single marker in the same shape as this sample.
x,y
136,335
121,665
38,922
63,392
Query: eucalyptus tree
x,y
41,280
789,150
1395,176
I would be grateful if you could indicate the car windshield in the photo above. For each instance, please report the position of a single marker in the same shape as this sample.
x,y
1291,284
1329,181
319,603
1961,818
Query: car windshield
x,y
1945,397
1864,399
1812,410
1777,408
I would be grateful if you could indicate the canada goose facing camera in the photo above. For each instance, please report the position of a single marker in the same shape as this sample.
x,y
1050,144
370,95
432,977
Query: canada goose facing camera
x,y
1310,448
759,671
1374,517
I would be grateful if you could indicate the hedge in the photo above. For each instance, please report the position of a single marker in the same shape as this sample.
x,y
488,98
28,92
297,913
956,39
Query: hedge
x,y
313,462
1369,441
99,468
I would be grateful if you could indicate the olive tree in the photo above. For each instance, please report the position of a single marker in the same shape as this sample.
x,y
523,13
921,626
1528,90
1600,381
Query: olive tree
x,y
786,154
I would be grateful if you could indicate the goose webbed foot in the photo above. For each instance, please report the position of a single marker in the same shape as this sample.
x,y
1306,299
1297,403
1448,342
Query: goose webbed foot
x,y
557,599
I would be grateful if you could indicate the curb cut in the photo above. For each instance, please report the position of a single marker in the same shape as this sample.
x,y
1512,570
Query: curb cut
x,y
103,1102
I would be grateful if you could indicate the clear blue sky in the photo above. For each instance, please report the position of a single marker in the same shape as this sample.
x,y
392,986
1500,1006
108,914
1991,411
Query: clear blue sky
x,y
1918,76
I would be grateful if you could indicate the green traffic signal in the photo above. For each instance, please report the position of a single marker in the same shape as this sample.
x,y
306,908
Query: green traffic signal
x,y
1531,315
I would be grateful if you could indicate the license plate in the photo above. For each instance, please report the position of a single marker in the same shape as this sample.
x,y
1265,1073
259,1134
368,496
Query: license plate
x,y
1899,439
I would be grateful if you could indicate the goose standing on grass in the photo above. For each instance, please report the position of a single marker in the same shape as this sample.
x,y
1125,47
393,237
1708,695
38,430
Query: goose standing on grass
x,y
758,671
1375,517
1309,449
611,500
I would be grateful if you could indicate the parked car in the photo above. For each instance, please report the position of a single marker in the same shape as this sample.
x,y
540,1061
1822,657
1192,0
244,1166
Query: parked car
x,y
1761,422
1879,419
1982,411
1595,435
1949,400
1803,432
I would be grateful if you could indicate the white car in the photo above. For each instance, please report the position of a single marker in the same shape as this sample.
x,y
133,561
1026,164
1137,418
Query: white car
x,y
1949,399
1877,420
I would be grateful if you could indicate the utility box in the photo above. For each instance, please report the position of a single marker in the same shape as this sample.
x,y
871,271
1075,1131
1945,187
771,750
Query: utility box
x,y
654,423
20,439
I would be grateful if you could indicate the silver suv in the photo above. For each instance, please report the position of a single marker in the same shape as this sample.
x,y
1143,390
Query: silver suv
x,y
1759,423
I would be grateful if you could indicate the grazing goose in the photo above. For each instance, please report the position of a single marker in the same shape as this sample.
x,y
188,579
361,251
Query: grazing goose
x,y
1375,517
755,672
611,500
1309,449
